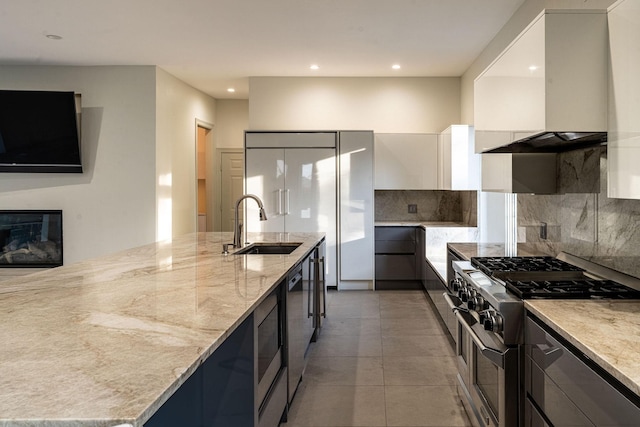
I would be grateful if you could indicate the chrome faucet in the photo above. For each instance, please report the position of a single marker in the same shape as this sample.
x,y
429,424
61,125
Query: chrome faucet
x,y
237,226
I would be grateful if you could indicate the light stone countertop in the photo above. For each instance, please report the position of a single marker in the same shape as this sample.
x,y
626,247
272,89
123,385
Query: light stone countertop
x,y
107,341
608,332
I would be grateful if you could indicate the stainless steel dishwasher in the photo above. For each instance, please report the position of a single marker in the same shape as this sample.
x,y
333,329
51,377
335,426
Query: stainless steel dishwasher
x,y
297,296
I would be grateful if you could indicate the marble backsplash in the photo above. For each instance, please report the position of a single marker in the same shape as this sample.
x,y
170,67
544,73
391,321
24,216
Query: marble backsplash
x,y
591,226
432,205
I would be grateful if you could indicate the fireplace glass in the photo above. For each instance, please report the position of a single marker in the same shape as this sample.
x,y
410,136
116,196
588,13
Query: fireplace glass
x,y
30,238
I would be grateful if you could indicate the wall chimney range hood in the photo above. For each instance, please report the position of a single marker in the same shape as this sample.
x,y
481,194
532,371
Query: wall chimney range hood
x,y
553,142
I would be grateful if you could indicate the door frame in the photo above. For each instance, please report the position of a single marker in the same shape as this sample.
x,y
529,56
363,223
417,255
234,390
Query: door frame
x,y
210,176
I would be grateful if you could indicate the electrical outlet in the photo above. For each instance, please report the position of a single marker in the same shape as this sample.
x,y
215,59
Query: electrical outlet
x,y
413,208
543,231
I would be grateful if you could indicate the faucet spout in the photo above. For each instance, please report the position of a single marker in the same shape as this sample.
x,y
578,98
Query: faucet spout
x,y
237,226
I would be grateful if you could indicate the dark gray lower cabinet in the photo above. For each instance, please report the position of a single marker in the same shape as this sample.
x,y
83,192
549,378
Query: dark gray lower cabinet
x,y
220,392
399,254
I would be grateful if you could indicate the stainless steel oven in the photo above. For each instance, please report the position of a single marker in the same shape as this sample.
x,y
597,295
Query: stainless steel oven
x,y
272,373
488,378
489,309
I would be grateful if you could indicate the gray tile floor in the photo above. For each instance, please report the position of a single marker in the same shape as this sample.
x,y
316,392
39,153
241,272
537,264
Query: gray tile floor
x,y
381,360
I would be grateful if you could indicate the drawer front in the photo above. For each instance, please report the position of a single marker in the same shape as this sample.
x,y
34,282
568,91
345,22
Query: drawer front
x,y
395,247
556,370
395,233
395,267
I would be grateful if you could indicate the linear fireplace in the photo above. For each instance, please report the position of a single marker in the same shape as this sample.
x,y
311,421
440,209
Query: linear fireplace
x,y
30,238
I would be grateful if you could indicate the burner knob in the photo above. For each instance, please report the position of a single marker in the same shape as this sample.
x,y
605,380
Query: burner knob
x,y
493,322
455,284
463,295
480,303
471,304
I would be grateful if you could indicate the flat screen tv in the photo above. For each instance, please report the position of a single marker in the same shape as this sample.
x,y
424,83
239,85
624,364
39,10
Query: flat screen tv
x,y
39,132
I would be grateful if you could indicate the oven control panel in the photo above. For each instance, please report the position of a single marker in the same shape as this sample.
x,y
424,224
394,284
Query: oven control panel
x,y
487,300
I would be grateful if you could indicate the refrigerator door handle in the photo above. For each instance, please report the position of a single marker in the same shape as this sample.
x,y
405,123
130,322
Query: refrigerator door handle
x,y
288,201
279,197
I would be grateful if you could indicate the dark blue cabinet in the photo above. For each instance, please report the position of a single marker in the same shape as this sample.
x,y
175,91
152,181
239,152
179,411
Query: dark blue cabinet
x,y
220,392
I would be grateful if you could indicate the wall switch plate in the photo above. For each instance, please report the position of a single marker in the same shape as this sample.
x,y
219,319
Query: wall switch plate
x,y
413,208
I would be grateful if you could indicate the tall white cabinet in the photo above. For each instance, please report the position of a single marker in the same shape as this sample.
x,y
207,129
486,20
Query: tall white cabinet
x,y
317,181
623,151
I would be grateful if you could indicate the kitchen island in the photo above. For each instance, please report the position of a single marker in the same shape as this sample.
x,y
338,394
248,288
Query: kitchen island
x,y
107,341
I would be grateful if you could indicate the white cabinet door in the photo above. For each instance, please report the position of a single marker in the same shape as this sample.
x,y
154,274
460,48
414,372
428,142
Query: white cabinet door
x,y
623,151
298,189
406,161
458,164
265,178
356,210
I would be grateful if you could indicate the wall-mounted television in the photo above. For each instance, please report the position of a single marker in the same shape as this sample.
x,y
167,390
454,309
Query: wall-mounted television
x,y
39,131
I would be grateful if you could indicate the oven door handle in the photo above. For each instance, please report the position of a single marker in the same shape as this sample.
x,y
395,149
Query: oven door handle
x,y
448,297
494,355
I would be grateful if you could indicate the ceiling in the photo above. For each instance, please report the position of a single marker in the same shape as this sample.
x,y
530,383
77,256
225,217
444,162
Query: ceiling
x,y
216,44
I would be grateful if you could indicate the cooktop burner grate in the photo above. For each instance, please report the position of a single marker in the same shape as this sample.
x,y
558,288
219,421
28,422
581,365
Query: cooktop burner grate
x,y
539,267
578,289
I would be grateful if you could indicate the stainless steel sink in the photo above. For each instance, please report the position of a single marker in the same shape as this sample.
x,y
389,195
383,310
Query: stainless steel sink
x,y
268,248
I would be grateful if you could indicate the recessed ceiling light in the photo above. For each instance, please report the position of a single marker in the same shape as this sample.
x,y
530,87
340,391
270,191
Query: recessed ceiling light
x,y
314,67
53,37
231,90
396,66
533,67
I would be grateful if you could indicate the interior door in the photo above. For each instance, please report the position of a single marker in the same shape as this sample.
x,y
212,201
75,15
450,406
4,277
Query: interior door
x,y
265,178
231,188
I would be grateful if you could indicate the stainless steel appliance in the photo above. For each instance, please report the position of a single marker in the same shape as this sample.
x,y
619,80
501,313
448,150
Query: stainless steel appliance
x,y
488,335
486,297
305,309
272,374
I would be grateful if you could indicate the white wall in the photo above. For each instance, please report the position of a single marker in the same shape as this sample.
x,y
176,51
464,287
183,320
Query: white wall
x,y
410,105
179,107
232,119
111,205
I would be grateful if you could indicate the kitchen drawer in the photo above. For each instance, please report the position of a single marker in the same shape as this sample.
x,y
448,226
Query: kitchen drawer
x,y
395,233
556,373
395,247
395,267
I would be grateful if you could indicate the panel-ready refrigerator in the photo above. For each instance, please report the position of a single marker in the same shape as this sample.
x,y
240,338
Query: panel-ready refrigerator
x,y
295,175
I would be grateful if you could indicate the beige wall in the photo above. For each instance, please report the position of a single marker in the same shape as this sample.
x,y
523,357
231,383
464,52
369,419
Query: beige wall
x,y
411,105
232,119
111,205
138,150
179,107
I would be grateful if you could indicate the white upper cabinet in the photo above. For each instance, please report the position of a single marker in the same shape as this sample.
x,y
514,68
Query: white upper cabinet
x,y
458,164
406,161
551,77
623,151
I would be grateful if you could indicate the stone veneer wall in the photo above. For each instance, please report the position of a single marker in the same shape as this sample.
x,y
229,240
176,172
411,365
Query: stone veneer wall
x,y
433,205
592,226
